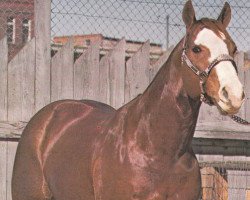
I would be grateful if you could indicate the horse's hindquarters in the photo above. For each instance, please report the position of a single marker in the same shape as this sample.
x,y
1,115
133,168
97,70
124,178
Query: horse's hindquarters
x,y
54,154
67,168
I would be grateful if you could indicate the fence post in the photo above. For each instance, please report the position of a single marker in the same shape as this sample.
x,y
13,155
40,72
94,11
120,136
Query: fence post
x,y
43,38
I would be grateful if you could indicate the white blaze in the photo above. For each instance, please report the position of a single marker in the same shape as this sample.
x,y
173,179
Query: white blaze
x,y
225,70
215,44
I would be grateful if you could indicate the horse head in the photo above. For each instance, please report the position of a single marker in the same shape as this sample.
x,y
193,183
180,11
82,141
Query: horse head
x,y
208,51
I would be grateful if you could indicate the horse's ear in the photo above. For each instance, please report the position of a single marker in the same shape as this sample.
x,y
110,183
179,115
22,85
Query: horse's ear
x,y
225,15
188,14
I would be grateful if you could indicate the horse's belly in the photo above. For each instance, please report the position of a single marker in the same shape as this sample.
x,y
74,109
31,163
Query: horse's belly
x,y
114,181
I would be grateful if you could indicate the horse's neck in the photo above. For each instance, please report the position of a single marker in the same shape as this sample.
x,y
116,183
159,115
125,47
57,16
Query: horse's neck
x,y
163,118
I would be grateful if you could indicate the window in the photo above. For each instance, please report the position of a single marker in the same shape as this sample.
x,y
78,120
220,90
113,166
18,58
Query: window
x,y
10,30
26,31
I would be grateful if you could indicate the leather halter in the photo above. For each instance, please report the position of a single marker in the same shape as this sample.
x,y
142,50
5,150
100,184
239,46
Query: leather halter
x,y
203,75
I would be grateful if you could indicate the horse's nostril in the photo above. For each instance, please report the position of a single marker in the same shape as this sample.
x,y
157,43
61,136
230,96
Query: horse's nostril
x,y
225,93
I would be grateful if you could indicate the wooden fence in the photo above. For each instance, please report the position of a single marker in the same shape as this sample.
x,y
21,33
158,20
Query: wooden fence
x,y
33,79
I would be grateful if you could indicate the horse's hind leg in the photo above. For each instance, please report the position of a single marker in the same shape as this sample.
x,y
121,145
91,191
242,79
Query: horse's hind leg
x,y
27,180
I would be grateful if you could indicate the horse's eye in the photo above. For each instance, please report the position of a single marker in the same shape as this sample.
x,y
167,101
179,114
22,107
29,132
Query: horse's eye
x,y
196,49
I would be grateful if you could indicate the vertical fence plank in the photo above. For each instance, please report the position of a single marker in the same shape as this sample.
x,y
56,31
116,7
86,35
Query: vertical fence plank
x,y
117,74
247,88
86,74
11,152
104,91
159,63
239,60
3,169
21,84
62,67
3,78
137,72
42,35
28,67
112,71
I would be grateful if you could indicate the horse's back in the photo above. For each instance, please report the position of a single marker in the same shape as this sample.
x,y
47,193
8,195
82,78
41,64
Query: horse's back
x,y
61,134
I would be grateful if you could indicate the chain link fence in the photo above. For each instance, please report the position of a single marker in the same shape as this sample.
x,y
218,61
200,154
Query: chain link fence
x,y
136,20
160,21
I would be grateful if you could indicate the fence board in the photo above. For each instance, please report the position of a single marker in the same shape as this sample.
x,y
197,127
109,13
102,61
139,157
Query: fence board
x,y
159,63
3,170
111,88
3,78
86,74
104,81
239,60
62,66
247,91
21,73
104,91
137,73
43,39
11,129
11,152
117,74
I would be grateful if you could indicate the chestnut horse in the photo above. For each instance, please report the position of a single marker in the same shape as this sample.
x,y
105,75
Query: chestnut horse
x,y
86,150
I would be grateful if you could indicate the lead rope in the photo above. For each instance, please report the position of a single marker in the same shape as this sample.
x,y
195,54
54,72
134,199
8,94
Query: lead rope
x,y
239,120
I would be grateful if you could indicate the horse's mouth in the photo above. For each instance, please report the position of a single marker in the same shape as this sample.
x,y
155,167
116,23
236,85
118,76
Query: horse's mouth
x,y
225,109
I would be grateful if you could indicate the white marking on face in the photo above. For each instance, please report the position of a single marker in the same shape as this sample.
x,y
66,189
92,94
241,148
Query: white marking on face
x,y
228,78
215,44
225,70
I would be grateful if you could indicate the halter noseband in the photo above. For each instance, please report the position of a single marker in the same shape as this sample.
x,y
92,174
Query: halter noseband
x,y
203,75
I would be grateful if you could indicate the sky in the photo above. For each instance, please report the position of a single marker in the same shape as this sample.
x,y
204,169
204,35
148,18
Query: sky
x,y
140,20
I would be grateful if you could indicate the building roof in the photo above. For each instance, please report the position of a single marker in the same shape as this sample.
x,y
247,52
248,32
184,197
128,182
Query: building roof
x,y
107,38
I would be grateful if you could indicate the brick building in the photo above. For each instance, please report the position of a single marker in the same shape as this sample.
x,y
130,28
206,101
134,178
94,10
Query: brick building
x,y
81,42
16,22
